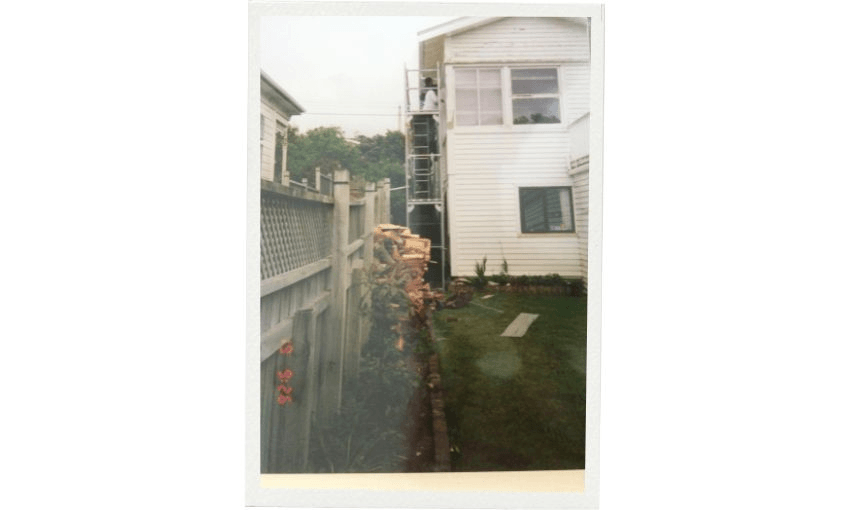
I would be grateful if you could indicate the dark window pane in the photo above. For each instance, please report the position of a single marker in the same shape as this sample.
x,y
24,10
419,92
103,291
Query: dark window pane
x,y
553,208
544,110
546,210
278,157
533,217
534,81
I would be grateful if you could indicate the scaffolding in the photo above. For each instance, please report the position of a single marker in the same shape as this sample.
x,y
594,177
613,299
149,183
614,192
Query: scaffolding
x,y
425,192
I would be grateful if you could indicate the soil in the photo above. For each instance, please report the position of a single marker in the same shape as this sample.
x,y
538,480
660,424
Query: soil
x,y
420,424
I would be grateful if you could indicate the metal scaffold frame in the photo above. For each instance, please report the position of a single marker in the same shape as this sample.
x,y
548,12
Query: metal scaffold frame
x,y
424,165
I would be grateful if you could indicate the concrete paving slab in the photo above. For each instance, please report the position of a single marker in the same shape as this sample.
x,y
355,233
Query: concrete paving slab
x,y
520,325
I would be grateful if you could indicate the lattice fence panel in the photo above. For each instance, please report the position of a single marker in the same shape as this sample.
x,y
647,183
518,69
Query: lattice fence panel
x,y
294,233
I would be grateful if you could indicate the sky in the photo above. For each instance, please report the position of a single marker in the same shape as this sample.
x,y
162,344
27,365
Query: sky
x,y
346,71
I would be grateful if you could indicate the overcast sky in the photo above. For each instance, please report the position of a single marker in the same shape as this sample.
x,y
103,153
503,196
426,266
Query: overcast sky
x,y
334,65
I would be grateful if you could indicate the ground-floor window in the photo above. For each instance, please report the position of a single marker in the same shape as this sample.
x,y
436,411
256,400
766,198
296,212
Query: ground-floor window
x,y
546,209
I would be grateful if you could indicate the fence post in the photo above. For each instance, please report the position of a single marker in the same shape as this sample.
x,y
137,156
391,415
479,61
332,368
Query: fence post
x,y
385,212
369,213
290,456
379,203
318,181
332,395
353,329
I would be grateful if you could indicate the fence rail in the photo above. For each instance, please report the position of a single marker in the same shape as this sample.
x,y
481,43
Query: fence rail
x,y
315,252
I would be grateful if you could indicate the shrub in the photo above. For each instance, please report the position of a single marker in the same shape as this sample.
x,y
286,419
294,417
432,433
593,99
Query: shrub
x,y
480,279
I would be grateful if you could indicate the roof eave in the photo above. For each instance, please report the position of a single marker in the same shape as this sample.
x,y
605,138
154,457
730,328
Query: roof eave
x,y
293,108
455,26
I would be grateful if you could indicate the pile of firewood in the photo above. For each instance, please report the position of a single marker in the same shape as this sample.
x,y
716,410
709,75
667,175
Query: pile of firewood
x,y
401,260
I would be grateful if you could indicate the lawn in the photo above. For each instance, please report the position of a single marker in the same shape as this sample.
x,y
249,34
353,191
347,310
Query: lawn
x,y
514,403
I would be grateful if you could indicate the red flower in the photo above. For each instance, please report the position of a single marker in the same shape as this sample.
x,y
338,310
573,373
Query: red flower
x,y
287,349
284,389
283,399
285,375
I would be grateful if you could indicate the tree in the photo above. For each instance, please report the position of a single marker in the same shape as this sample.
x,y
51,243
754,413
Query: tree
x,y
322,147
373,157
383,156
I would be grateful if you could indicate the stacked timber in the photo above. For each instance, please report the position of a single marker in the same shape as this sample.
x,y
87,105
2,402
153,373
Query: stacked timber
x,y
401,258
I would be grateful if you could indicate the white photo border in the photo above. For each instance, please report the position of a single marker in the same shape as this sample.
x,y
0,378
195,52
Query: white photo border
x,y
529,489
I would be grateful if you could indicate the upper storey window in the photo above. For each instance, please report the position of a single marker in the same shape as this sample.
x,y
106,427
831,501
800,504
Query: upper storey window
x,y
534,96
478,94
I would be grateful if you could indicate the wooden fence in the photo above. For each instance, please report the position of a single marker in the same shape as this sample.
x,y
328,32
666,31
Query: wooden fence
x,y
315,251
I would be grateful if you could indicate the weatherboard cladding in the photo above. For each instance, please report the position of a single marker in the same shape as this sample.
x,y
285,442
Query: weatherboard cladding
x,y
268,137
520,39
581,185
487,165
485,175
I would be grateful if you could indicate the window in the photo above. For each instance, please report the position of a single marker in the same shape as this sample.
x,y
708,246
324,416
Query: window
x,y
534,95
280,141
546,209
262,135
478,93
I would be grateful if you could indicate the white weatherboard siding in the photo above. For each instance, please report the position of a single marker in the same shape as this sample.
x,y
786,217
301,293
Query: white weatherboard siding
x,y
522,39
487,165
486,171
579,171
270,119
575,85
581,182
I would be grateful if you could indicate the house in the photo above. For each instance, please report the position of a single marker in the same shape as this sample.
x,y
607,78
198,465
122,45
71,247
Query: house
x,y
276,108
513,141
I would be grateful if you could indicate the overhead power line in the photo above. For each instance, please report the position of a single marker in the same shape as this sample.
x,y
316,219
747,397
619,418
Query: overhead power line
x,y
358,114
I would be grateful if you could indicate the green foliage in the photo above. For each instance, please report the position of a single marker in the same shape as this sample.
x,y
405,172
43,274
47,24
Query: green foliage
x,y
537,118
367,434
374,158
323,147
382,157
480,279
575,286
502,278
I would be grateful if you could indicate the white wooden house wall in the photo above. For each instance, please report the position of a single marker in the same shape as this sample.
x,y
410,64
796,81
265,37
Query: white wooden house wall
x,y
272,122
276,108
580,173
520,39
487,165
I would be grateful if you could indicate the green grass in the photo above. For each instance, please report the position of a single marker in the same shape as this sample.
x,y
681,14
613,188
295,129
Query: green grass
x,y
515,403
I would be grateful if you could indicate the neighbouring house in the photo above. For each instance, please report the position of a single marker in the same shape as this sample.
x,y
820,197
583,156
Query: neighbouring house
x,y
276,108
513,141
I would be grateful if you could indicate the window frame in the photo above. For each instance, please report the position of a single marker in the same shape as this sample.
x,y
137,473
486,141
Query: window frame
x,y
571,230
508,96
539,95
478,111
282,130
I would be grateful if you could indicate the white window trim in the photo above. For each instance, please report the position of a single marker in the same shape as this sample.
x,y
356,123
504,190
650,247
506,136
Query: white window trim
x,y
507,99
478,89
518,211
557,95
